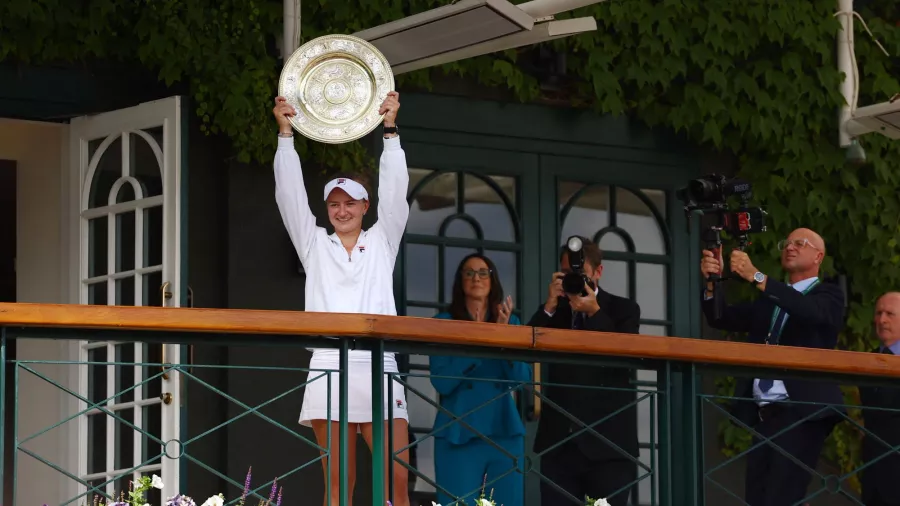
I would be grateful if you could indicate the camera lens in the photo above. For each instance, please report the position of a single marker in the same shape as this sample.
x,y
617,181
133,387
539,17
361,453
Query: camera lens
x,y
573,283
704,189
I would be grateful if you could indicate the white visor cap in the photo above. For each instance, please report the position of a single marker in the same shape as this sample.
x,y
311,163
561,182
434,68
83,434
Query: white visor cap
x,y
354,189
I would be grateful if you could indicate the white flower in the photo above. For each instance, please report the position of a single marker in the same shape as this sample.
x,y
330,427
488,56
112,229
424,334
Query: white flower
x,y
216,500
157,482
601,502
434,504
483,502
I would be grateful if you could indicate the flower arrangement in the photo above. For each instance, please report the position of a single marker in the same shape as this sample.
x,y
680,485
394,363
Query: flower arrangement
x,y
482,501
136,491
489,501
144,484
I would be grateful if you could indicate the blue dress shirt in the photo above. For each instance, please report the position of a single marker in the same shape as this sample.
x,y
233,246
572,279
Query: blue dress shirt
x,y
895,348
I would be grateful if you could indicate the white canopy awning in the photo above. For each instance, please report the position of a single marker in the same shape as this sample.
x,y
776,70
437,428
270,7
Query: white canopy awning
x,y
459,30
471,28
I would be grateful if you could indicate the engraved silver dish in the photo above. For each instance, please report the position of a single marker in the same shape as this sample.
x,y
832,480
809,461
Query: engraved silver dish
x,y
336,83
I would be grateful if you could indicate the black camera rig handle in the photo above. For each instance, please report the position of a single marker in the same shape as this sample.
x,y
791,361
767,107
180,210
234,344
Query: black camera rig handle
x,y
709,195
714,244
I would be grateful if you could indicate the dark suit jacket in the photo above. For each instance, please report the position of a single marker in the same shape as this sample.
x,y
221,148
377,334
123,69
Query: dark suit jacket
x,y
814,322
616,314
879,481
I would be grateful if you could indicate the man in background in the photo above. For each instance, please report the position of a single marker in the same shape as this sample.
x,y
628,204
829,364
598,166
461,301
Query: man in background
x,y
879,480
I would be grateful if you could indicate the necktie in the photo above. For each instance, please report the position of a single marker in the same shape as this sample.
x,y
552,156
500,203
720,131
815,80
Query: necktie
x,y
887,351
578,321
766,384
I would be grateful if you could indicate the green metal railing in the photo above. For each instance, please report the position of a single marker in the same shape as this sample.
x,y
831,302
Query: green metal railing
x,y
27,366
678,408
834,486
642,394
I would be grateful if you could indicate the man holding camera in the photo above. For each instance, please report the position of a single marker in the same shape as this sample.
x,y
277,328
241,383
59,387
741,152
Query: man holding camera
x,y
587,464
804,313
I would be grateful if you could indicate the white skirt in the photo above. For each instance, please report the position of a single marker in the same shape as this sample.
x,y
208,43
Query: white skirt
x,y
359,390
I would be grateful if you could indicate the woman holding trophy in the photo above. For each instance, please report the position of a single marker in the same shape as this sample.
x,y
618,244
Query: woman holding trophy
x,y
349,271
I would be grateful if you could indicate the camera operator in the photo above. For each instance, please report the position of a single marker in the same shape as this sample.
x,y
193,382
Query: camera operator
x,y
587,465
805,313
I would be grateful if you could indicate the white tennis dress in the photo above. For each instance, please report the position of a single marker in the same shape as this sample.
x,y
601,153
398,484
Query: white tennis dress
x,y
338,282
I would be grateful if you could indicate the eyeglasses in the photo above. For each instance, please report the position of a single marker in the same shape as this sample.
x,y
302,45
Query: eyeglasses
x,y
482,273
797,243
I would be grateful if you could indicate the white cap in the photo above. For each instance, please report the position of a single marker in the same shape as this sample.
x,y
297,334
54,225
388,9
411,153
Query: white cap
x,y
354,189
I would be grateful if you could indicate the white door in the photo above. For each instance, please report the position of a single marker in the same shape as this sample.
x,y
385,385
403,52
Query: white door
x,y
130,219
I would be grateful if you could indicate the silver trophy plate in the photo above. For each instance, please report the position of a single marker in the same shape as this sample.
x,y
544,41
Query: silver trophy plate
x,y
336,83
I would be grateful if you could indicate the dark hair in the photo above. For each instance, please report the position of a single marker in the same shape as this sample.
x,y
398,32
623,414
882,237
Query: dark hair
x,y
359,177
458,308
592,253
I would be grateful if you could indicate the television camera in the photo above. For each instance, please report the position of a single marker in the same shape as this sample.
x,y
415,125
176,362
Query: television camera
x,y
708,196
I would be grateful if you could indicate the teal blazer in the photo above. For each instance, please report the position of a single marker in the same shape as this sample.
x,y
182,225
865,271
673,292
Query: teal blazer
x,y
500,418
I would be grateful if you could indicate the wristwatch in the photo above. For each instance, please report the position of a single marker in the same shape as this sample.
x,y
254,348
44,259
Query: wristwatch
x,y
391,130
758,278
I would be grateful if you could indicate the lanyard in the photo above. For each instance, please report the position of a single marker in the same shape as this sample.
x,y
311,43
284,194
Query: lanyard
x,y
777,311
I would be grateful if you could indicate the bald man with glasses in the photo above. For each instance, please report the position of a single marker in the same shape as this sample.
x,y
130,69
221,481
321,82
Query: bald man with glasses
x,y
802,312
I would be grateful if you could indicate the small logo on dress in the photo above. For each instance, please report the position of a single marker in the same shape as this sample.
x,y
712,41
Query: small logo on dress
x,y
399,403
341,181
362,249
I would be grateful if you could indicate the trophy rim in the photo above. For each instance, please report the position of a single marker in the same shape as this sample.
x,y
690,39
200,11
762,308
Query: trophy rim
x,y
302,74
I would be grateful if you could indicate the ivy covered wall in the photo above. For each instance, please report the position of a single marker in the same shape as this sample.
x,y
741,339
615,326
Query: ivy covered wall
x,y
755,79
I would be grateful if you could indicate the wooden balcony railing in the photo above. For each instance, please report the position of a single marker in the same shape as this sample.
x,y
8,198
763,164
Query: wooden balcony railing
x,y
677,360
446,332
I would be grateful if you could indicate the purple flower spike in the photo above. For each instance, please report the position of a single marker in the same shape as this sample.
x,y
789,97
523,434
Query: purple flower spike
x,y
272,493
279,496
246,486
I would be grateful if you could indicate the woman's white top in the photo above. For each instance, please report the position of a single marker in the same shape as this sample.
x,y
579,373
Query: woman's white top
x,y
361,281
